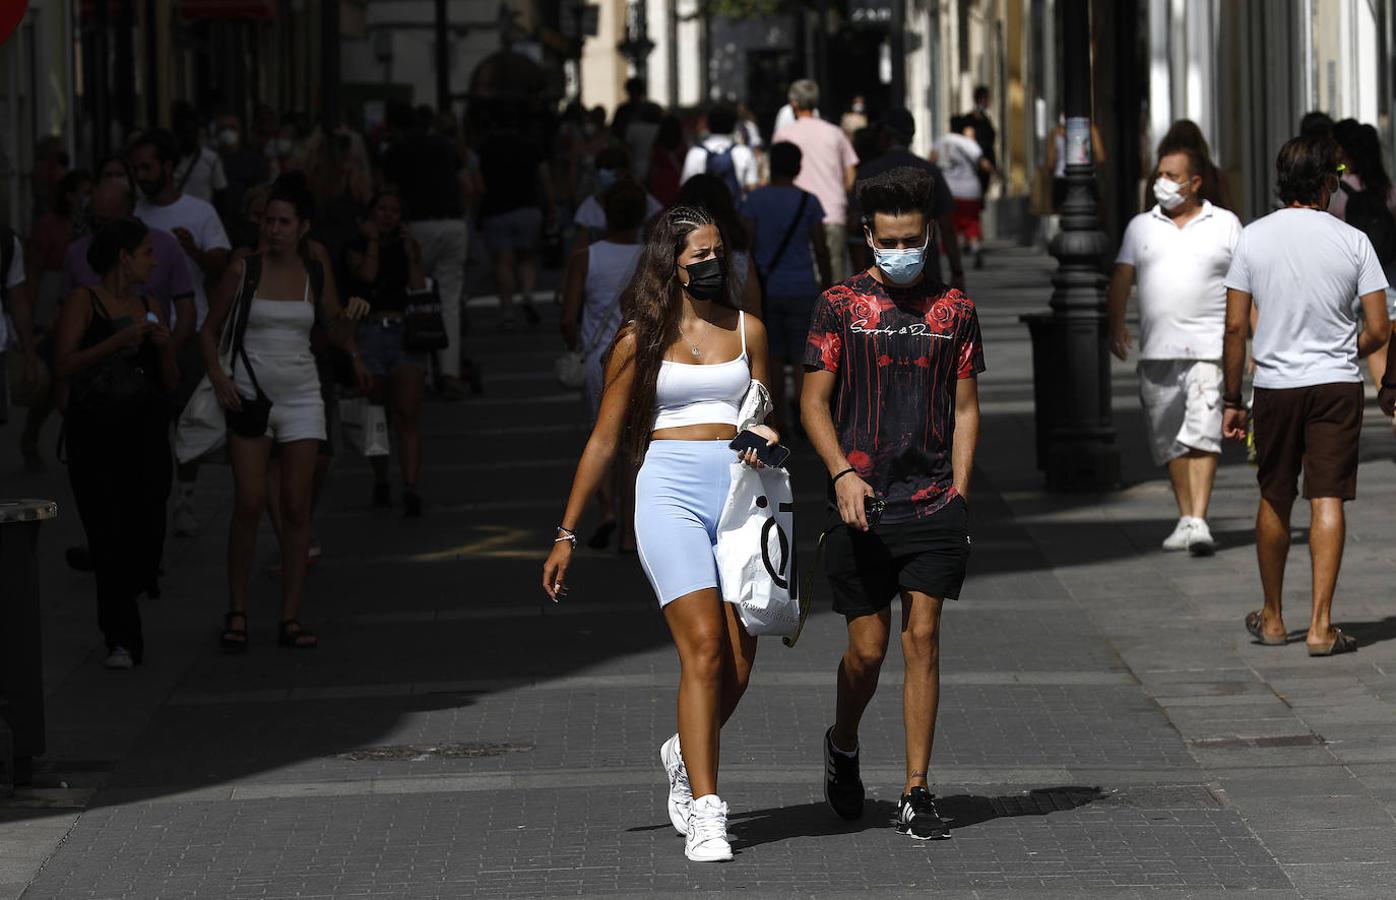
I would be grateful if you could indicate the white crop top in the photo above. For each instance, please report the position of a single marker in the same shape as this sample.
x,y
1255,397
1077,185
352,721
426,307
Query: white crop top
x,y
702,395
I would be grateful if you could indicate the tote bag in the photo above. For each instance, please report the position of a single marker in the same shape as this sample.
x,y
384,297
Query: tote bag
x,y
756,551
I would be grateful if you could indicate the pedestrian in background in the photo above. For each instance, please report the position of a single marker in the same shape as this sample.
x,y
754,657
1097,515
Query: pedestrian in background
x,y
962,160
1366,200
1184,135
986,135
195,224
430,177
591,315
199,170
891,405
674,388
720,156
385,264
1300,268
291,279
517,205
1179,253
855,117
786,229
115,348
666,170
827,168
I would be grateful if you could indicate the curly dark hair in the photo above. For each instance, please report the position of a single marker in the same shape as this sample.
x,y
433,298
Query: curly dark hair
x,y
900,190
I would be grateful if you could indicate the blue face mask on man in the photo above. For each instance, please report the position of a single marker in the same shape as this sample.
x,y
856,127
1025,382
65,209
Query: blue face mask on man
x,y
605,178
901,266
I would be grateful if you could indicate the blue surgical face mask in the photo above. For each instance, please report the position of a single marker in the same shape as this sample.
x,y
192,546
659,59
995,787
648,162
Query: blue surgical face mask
x,y
605,178
901,266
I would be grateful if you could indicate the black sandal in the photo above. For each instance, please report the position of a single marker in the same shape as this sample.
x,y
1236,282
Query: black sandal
x,y
295,637
234,640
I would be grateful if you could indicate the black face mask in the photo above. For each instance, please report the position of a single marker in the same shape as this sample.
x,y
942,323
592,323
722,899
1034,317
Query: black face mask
x,y
707,279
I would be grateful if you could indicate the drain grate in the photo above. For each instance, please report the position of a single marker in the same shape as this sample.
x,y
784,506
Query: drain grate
x,y
421,752
1043,802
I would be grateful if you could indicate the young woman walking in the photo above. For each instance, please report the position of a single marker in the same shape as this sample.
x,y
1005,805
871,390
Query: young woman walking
x,y
674,387
277,363
115,349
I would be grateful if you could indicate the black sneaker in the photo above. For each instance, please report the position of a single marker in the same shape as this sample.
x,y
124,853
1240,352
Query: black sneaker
x,y
917,817
382,495
843,787
411,504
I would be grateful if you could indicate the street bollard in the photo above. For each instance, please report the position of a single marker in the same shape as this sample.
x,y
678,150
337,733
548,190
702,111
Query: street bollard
x,y
21,638
1048,361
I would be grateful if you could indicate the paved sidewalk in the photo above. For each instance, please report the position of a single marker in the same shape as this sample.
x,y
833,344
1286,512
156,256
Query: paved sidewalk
x,y
1107,728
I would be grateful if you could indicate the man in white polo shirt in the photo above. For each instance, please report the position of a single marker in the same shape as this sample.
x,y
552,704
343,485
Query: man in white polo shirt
x,y
1178,253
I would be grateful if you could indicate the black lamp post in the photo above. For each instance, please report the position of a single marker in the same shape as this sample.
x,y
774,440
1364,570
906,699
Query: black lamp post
x,y
1080,451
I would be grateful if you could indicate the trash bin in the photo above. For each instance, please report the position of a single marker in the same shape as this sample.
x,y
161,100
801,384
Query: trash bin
x,y
21,644
1048,367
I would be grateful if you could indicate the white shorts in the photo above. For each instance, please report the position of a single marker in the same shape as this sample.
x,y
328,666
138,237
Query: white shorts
x,y
1182,406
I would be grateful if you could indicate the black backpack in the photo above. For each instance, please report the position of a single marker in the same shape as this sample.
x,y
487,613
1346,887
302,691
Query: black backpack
x,y
1368,213
723,166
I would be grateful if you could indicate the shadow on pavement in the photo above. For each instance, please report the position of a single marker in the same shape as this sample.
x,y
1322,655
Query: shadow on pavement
x,y
1369,632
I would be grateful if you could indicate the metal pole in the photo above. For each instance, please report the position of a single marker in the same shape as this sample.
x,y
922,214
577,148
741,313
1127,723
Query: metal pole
x,y
330,112
1081,451
443,58
896,41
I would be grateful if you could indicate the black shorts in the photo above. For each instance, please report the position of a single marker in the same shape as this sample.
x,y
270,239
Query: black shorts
x,y
1311,429
867,569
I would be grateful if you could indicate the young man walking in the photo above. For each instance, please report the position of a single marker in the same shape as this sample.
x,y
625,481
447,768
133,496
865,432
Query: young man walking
x,y
1301,267
891,405
1178,253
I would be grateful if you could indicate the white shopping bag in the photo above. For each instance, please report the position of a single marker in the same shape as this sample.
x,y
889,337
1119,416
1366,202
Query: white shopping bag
x,y
756,551
365,426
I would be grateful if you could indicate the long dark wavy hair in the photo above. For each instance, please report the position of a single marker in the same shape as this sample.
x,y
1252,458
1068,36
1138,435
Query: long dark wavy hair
x,y
652,303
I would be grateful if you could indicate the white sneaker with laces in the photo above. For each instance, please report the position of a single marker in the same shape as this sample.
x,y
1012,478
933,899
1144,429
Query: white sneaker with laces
x,y
1200,541
186,523
1181,535
680,794
119,658
707,831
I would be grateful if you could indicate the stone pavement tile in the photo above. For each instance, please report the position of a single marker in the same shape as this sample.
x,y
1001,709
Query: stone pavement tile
x,y
1245,786
1307,813
1352,845
1342,881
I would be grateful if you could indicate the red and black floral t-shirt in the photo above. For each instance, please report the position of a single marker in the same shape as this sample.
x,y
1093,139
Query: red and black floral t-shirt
x,y
898,355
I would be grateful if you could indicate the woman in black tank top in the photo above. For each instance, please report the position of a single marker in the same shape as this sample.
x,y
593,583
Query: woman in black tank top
x,y
115,349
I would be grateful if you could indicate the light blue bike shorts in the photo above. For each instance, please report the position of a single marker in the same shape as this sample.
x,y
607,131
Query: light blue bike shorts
x,y
679,495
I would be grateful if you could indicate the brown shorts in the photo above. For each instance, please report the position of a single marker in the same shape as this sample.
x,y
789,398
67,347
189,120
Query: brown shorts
x,y
1312,428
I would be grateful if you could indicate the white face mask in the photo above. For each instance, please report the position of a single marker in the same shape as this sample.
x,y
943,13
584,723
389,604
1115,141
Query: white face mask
x,y
228,138
1168,193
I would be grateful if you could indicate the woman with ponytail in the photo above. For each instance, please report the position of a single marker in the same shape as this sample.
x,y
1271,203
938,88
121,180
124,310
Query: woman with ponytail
x,y
674,385
271,298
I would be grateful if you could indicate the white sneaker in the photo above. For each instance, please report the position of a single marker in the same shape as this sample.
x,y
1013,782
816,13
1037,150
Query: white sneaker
x,y
1200,541
1181,535
680,794
707,831
119,658
186,524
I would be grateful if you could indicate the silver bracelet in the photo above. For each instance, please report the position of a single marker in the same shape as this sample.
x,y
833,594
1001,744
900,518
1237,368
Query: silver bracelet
x,y
565,535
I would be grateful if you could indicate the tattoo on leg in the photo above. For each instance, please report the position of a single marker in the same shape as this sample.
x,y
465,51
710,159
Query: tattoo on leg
x,y
918,774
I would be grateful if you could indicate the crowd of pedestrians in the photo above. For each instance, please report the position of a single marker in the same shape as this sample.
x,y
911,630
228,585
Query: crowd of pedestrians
x,y
216,289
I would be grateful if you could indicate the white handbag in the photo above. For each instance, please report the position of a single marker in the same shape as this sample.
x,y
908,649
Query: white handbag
x,y
365,426
202,428
756,551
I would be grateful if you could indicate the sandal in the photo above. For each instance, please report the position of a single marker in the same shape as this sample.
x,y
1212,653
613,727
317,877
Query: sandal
x,y
234,640
294,636
1342,643
1255,625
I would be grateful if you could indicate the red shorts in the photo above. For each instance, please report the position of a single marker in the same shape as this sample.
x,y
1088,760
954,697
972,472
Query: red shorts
x,y
967,219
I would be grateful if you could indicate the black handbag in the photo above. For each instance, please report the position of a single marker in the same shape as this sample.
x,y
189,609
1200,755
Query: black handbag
x,y
114,386
424,329
250,420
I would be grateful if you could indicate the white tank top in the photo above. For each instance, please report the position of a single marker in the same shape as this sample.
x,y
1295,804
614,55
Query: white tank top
x,y
609,267
702,395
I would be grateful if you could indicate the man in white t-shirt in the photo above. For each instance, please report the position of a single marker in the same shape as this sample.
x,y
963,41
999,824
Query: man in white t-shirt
x,y
962,161
1300,268
200,233
719,155
1179,253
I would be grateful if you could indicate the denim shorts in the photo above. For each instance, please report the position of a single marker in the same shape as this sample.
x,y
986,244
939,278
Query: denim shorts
x,y
382,350
518,229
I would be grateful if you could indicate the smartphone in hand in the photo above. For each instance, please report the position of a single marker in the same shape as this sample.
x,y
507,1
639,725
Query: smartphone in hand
x,y
773,456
